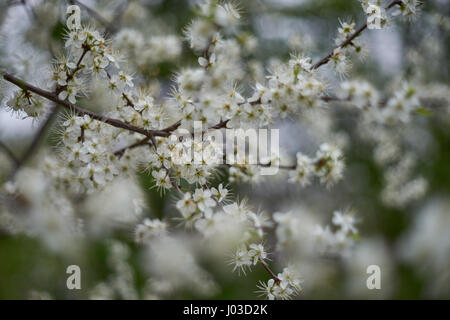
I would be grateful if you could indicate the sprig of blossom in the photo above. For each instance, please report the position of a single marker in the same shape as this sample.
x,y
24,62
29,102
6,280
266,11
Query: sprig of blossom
x,y
327,165
33,105
284,287
376,14
149,229
408,9
398,108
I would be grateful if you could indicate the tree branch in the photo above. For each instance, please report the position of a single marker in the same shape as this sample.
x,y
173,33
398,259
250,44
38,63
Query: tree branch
x,y
81,112
9,152
327,58
272,274
35,142
142,142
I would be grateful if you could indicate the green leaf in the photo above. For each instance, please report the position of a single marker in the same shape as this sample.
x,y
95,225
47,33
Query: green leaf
x,y
424,112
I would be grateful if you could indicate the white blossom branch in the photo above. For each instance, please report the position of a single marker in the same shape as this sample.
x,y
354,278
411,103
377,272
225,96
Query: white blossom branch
x,y
81,112
349,40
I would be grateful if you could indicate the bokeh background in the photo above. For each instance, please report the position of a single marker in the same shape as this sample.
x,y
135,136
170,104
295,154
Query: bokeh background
x,y
410,242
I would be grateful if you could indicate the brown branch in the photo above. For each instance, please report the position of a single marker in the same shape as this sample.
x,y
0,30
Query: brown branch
x,y
86,48
284,167
172,181
70,75
349,40
272,274
127,99
220,125
35,142
46,124
265,165
81,112
333,99
9,153
318,163
142,142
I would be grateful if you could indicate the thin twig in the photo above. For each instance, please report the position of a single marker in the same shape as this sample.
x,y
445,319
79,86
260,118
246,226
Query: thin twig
x,y
272,274
142,142
173,181
347,41
81,112
8,152
45,125
35,142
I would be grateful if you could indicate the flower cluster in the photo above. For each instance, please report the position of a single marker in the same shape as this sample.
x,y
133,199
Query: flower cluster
x,y
24,101
408,9
299,229
212,18
88,53
398,108
292,85
192,207
149,229
401,187
376,14
191,160
284,287
147,51
360,93
247,256
339,241
54,221
208,211
87,146
327,165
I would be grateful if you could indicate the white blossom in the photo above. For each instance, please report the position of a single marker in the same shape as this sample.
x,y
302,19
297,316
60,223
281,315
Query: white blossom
x,y
149,229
